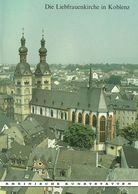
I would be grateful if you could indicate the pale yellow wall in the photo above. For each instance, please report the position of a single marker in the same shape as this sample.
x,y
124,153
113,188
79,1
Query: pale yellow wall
x,y
23,96
115,151
125,117
2,192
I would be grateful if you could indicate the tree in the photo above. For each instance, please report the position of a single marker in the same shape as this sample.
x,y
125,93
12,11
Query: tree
x,y
131,132
78,135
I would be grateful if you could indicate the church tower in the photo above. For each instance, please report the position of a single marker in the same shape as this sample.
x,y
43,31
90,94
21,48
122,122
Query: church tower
x,y
42,72
23,84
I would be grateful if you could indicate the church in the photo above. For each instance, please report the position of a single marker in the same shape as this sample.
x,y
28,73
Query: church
x,y
34,96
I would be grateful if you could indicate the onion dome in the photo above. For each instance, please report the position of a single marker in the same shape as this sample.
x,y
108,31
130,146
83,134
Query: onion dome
x,y
22,68
42,67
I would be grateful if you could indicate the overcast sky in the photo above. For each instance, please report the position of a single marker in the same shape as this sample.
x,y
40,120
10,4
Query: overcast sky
x,y
72,36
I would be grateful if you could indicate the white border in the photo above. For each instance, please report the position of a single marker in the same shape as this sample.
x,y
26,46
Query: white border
x,y
68,183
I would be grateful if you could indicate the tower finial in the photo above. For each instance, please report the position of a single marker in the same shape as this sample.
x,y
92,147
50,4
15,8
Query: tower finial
x,y
42,33
23,32
90,78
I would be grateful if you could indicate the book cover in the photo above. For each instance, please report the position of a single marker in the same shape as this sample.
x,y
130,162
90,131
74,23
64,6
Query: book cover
x,y
68,96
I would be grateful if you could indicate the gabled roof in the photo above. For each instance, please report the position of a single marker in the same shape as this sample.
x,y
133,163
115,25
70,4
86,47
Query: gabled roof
x,y
69,157
131,156
118,140
110,190
75,190
2,170
51,123
87,172
109,87
47,156
86,98
121,104
124,174
31,126
19,151
19,174
4,120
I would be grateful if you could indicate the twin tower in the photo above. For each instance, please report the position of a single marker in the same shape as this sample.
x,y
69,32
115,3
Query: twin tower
x,y
25,80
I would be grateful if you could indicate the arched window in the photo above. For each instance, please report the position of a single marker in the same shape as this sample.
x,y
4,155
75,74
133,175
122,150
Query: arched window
x,y
87,119
102,128
33,110
41,111
61,115
51,113
65,116
73,117
94,121
80,117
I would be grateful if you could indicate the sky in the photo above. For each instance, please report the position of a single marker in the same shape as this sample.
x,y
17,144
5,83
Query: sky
x,y
72,36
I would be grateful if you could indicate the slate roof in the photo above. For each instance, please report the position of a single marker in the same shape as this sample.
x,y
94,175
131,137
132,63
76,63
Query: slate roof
x,y
18,174
46,155
2,170
21,175
110,190
75,190
122,104
72,157
109,87
52,123
85,98
42,68
121,174
4,120
87,172
131,156
19,151
31,126
106,160
3,158
118,141
22,68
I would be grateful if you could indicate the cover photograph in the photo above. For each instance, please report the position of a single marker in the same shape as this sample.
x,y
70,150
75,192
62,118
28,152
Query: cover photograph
x,y
68,97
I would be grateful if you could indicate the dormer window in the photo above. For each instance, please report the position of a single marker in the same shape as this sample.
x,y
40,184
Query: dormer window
x,y
78,104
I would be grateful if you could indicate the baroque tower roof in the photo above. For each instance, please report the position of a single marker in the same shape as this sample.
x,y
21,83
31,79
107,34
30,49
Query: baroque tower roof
x,y
22,68
42,67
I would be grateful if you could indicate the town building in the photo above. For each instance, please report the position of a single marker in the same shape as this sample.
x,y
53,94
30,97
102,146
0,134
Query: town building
x,y
87,105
